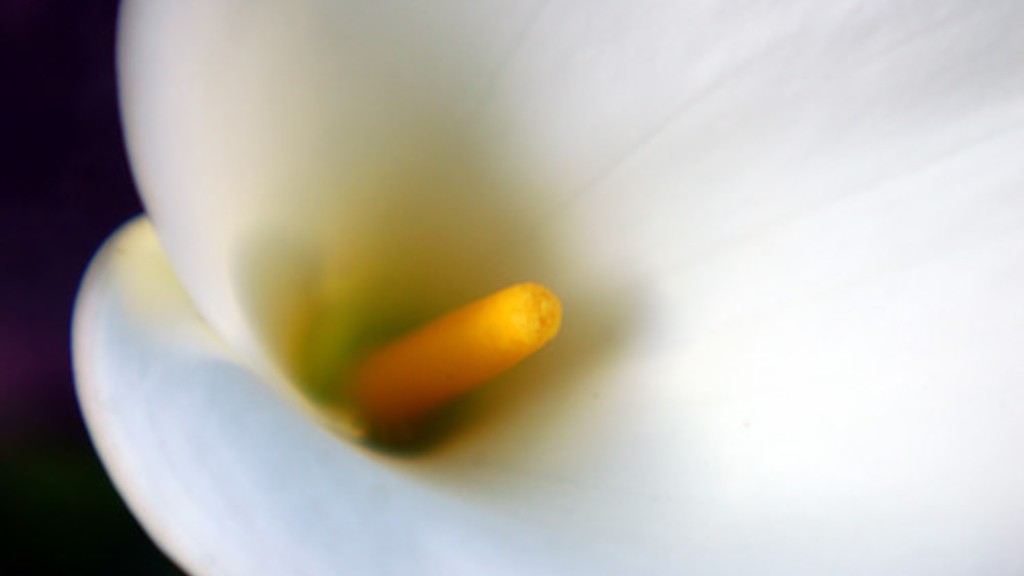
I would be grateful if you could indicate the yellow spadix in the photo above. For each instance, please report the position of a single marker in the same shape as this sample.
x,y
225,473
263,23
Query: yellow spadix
x,y
409,379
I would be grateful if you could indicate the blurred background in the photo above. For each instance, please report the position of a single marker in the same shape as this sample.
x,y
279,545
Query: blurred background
x,y
64,186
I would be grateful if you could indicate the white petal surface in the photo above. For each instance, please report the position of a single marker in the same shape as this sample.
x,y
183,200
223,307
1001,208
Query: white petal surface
x,y
280,145
285,150
789,237
875,429
196,443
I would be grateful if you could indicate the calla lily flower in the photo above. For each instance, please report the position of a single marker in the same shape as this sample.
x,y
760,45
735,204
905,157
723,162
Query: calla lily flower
x,y
788,238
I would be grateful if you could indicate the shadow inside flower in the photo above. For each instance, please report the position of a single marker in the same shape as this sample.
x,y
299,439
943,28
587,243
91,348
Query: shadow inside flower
x,y
434,226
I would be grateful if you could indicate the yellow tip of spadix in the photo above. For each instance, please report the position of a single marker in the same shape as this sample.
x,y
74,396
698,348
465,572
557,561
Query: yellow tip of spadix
x,y
410,378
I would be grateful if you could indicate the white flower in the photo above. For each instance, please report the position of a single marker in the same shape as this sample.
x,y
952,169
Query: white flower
x,y
789,237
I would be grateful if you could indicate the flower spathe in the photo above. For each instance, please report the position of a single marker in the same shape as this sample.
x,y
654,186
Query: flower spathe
x,y
789,240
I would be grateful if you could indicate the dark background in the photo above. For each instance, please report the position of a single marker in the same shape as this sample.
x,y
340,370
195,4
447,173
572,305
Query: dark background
x,y
64,186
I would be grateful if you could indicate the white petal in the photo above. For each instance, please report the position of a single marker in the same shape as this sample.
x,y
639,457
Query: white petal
x,y
197,443
316,151
272,139
872,430
789,240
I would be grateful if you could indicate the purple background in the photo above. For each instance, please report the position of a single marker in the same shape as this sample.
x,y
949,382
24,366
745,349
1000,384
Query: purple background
x,y
64,186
